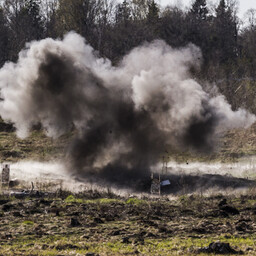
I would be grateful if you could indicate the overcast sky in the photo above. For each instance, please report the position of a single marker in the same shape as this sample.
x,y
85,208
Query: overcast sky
x,y
244,5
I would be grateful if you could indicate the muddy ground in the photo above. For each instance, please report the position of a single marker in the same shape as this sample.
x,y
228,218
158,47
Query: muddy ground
x,y
97,224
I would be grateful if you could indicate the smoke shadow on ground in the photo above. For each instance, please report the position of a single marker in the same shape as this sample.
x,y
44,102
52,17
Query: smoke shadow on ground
x,y
189,183
180,183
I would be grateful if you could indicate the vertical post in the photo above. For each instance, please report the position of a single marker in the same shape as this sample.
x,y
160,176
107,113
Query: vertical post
x,y
163,166
152,179
5,175
159,184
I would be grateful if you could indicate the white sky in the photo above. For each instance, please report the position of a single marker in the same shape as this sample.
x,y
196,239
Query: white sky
x,y
244,5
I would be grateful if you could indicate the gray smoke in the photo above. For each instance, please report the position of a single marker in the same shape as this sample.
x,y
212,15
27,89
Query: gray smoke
x,y
126,116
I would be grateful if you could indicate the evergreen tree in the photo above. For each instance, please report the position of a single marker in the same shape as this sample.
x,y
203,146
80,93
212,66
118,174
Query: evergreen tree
x,y
225,31
173,27
153,12
4,38
198,27
247,42
199,10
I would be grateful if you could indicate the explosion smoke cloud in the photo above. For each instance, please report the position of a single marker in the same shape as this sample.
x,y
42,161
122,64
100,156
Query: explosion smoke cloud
x,y
126,115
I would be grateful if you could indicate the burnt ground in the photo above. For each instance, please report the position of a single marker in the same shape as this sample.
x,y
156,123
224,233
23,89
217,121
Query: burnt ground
x,y
93,224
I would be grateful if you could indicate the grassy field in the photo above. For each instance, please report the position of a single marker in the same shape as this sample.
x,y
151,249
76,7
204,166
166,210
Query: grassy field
x,y
36,147
79,225
232,145
85,224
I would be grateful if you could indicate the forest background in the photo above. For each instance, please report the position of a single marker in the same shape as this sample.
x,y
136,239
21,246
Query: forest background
x,y
113,28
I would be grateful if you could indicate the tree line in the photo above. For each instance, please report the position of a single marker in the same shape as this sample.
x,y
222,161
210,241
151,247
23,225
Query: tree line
x,y
114,28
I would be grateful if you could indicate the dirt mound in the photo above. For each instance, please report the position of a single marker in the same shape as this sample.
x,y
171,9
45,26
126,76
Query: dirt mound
x,y
219,248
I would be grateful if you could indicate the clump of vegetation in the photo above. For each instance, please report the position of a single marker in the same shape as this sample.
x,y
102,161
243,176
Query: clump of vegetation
x,y
135,201
28,222
73,199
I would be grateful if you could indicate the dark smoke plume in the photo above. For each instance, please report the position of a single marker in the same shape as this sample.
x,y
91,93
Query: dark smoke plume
x,y
126,116
199,132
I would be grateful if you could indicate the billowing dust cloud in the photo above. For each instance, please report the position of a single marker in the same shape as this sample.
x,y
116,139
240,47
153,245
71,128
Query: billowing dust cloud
x,y
126,116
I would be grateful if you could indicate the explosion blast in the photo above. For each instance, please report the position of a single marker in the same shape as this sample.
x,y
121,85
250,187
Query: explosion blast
x,y
126,116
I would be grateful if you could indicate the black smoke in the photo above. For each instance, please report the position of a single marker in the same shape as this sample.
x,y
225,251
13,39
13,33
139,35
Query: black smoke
x,y
200,132
134,129
114,119
125,117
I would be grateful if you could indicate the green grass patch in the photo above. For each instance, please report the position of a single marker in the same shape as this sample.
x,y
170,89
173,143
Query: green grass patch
x,y
28,222
135,201
73,199
108,200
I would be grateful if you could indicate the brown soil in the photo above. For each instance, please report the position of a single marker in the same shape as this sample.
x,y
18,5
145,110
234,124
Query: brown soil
x,y
40,222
